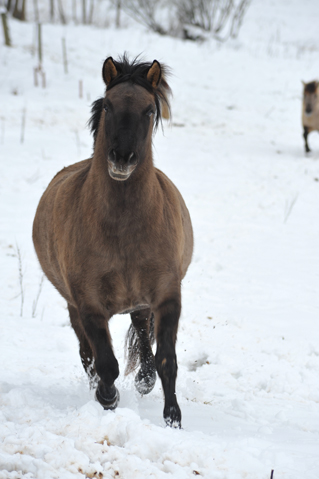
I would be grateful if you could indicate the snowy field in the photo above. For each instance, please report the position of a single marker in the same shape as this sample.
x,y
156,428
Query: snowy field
x,y
248,344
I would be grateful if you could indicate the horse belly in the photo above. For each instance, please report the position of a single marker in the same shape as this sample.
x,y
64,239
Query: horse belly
x,y
124,291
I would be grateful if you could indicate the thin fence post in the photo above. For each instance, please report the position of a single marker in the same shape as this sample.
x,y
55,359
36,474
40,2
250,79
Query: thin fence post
x,y
61,13
91,12
40,44
52,10
7,39
36,10
19,10
44,82
84,11
65,58
74,11
118,14
9,6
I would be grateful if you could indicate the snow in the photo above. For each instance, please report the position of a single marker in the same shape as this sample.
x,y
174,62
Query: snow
x,y
248,344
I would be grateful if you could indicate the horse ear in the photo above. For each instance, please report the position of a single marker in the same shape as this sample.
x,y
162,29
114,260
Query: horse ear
x,y
109,71
154,74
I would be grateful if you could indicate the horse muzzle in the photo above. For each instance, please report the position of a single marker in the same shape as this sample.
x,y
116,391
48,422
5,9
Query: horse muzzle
x,y
119,168
121,173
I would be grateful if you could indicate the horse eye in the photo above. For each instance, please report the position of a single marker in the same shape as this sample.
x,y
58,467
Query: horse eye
x,y
105,108
150,113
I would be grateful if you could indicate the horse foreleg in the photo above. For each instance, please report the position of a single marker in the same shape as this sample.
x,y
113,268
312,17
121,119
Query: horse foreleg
x,y
86,353
305,135
106,365
146,377
166,324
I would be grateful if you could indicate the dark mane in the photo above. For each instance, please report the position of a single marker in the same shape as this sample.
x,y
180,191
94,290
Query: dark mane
x,y
134,72
94,121
311,87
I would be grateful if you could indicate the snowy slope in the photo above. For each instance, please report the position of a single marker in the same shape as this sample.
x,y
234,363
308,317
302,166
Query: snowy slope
x,y
248,345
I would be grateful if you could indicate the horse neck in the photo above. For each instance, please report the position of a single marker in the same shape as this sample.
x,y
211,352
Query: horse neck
x,y
140,191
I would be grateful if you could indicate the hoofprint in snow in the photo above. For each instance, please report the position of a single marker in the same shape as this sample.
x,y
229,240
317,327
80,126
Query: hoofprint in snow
x,y
248,344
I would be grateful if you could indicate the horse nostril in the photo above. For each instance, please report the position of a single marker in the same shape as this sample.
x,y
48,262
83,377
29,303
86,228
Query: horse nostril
x,y
132,158
112,156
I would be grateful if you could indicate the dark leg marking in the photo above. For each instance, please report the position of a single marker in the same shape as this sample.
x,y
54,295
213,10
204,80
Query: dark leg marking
x,y
305,135
167,317
106,365
86,353
146,377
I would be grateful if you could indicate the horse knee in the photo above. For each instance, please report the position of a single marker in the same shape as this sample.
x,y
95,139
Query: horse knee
x,y
166,364
166,320
166,331
107,366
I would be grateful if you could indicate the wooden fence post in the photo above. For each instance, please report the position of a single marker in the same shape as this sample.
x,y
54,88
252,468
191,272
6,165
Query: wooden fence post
x,y
65,58
7,39
40,44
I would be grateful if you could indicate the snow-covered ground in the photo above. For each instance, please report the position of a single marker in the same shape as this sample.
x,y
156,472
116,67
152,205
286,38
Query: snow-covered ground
x,y
248,345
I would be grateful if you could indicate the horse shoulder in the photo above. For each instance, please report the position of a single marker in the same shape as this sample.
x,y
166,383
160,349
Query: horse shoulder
x,y
311,121
54,220
181,219
316,116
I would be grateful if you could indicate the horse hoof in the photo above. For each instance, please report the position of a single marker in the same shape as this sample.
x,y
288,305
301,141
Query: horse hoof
x,y
107,403
173,417
145,381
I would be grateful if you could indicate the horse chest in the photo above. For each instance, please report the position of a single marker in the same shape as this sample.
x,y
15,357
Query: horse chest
x,y
126,282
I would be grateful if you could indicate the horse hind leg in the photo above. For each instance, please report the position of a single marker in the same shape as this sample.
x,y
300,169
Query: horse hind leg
x,y
139,340
85,349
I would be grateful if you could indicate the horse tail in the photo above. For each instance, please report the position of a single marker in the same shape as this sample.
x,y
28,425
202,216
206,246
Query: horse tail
x,y
132,346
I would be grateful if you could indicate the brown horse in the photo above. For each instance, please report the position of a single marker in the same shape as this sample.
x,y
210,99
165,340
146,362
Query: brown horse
x,y
113,235
310,110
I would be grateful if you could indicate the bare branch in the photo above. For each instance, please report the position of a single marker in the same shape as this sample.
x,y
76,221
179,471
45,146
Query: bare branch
x,y
221,18
144,11
18,252
35,302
